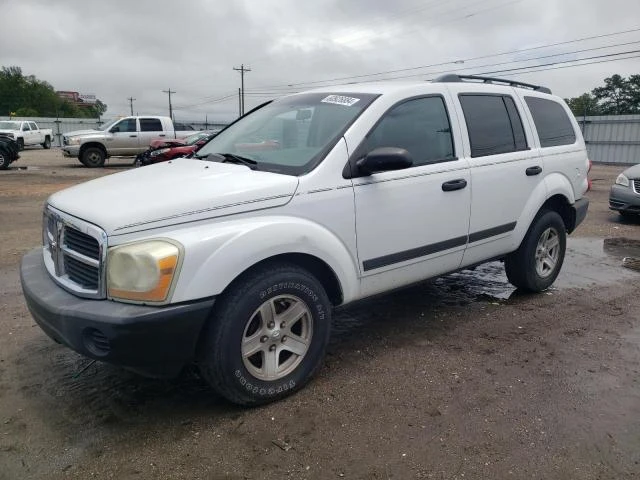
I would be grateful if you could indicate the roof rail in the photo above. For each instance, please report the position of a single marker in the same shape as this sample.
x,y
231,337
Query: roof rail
x,y
453,78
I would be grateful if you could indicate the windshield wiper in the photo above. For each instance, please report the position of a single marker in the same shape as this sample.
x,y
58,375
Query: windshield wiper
x,y
230,158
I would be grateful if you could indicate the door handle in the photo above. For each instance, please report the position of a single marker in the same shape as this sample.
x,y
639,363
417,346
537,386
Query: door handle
x,y
162,135
452,185
133,136
531,171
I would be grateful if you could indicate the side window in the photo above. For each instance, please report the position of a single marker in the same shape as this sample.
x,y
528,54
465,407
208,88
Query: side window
x,y
127,125
420,126
552,123
493,123
33,126
25,127
151,125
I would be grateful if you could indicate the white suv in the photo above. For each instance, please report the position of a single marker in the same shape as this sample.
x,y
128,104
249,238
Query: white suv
x,y
235,259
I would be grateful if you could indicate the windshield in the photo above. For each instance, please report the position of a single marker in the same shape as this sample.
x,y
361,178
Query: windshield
x,y
291,135
192,139
9,125
107,125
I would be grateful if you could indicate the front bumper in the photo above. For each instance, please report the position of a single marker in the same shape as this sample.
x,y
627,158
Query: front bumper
x,y
71,150
624,199
153,341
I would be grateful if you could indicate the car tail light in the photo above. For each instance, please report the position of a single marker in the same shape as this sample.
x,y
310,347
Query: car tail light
x,y
589,183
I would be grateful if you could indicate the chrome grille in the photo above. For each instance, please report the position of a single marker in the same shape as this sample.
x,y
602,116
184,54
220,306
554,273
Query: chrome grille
x,y
81,243
84,275
636,185
74,253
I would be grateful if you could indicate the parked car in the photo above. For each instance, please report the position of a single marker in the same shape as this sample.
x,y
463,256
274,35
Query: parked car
x,y
162,150
8,151
121,137
311,201
624,196
26,133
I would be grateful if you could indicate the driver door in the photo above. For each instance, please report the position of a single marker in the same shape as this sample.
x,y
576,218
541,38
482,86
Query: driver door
x,y
413,223
125,137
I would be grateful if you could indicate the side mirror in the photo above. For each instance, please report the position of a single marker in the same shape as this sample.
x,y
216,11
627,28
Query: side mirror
x,y
384,159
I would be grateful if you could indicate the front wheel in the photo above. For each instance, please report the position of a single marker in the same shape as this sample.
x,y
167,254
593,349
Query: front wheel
x,y
267,336
21,144
4,159
536,264
93,157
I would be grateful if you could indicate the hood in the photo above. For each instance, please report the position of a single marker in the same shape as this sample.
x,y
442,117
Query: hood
x,y
632,172
169,193
4,130
75,133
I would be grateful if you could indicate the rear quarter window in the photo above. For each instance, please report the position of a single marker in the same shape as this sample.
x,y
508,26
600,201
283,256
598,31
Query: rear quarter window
x,y
552,122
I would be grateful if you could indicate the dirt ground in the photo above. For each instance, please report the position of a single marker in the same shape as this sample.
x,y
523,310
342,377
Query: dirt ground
x,y
458,378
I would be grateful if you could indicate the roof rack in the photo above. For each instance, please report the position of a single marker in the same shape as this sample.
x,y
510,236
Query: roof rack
x,y
453,78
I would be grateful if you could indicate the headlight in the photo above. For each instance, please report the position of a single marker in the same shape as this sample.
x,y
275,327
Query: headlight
x,y
622,180
143,272
73,140
155,153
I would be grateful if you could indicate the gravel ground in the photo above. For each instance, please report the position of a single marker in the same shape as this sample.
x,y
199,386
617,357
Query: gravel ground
x,y
458,378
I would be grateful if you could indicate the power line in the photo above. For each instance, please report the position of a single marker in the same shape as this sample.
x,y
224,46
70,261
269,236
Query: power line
x,y
459,61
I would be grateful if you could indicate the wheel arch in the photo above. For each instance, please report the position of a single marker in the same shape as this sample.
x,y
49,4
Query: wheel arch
x,y
227,252
312,264
87,145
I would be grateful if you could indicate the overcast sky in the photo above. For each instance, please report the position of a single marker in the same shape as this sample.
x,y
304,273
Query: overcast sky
x,y
136,48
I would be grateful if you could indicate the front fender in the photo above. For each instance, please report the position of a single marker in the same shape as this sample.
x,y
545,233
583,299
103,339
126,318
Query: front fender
x,y
217,255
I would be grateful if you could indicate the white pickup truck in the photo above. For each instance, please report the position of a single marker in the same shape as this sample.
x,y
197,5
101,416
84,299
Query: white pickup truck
x,y
26,133
121,137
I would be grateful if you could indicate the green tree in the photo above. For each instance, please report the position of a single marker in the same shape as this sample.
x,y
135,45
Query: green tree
x,y
25,95
585,104
616,96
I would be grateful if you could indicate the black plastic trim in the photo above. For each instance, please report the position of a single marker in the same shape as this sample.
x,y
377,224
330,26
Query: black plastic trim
x,y
425,250
413,253
491,232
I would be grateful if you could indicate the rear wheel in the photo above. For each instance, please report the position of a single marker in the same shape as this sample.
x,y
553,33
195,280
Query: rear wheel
x,y
536,264
267,336
93,157
47,143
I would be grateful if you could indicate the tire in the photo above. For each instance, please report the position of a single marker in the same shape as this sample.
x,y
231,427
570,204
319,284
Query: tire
x,y
626,215
537,262
241,323
93,157
4,159
20,144
47,143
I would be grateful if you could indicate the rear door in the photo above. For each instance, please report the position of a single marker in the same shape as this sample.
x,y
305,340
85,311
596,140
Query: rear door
x,y
150,128
505,169
37,137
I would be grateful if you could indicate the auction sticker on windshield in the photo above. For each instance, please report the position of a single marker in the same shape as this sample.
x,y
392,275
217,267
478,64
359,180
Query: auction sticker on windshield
x,y
340,100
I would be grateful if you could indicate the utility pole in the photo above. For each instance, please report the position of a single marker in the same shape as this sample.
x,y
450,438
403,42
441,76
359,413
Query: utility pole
x,y
242,70
239,102
170,108
131,100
